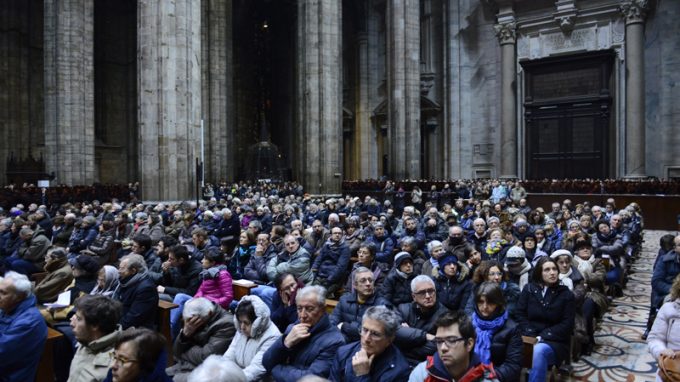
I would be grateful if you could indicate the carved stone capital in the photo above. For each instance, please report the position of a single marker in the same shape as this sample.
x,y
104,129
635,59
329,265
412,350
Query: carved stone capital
x,y
565,15
506,32
634,11
426,83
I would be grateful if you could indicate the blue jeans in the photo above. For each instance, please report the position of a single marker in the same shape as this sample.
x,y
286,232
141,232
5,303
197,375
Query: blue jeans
x,y
176,314
544,357
614,276
265,293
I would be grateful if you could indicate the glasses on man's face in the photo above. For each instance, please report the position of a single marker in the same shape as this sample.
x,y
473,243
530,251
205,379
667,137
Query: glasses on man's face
x,y
364,280
372,334
449,341
122,360
423,293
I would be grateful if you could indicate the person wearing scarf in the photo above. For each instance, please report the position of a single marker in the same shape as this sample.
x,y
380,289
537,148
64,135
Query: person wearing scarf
x,y
137,292
107,281
452,283
498,339
242,253
517,266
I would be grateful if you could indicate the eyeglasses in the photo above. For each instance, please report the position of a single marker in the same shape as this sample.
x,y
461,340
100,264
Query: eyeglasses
x,y
122,360
308,309
425,292
372,334
365,280
495,273
449,341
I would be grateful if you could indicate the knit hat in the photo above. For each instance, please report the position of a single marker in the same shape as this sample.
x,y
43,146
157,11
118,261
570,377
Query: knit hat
x,y
560,252
515,255
400,257
85,263
447,259
141,216
573,223
520,223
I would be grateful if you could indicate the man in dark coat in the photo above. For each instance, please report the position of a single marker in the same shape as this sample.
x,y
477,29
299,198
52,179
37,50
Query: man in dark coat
x,y
665,272
137,293
331,266
384,245
397,285
374,358
256,269
415,338
142,245
308,346
180,274
352,305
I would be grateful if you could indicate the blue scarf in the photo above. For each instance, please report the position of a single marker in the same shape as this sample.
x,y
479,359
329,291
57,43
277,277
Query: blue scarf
x,y
485,330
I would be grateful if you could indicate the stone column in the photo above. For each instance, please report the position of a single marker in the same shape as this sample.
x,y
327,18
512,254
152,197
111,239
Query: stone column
x,y
505,31
69,90
169,72
634,12
217,89
319,95
365,151
403,87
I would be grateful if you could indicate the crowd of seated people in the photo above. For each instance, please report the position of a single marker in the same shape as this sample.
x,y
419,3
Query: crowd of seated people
x,y
431,288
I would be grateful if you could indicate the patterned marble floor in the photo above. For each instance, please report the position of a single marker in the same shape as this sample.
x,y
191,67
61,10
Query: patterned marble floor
x,y
620,354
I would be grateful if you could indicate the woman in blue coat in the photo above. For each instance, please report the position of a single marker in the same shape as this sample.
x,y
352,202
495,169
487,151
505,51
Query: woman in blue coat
x,y
545,310
498,337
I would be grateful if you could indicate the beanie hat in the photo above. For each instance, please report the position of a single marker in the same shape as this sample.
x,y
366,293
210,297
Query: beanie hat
x,y
400,257
560,252
446,260
515,255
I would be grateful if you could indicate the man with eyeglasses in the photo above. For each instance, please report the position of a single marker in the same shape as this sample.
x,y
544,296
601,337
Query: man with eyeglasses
x,y
307,346
416,334
354,304
455,359
331,266
373,357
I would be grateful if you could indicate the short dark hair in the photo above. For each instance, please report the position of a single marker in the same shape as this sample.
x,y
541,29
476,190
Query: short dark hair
x,y
168,241
246,308
200,232
152,342
143,240
279,230
101,311
278,280
537,271
181,252
492,292
465,327
213,254
370,246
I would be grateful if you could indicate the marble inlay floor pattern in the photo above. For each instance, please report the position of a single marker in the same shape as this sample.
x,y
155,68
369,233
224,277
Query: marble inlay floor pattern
x,y
620,354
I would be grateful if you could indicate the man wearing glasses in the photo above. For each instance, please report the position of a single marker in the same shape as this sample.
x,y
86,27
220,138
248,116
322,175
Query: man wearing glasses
x,y
353,305
416,335
455,359
309,345
374,357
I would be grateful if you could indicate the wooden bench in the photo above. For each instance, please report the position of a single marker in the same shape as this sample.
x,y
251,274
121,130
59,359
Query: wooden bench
x,y
45,371
330,305
242,288
528,356
164,308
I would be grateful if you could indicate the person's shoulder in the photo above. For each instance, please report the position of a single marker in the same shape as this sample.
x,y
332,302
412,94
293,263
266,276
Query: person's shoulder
x,y
419,373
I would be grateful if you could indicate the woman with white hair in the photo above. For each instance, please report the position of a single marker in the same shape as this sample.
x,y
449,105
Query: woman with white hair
x,y
255,334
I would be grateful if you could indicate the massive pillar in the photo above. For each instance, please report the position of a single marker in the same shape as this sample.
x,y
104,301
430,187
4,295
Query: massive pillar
x,y
69,90
365,135
403,87
217,89
505,31
634,12
319,95
169,92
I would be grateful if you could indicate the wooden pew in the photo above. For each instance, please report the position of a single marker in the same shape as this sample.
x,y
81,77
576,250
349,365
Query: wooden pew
x,y
242,288
45,371
528,356
164,308
330,305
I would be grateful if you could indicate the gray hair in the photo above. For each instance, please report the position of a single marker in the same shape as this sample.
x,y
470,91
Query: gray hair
x,y
317,290
218,369
432,245
199,306
136,262
389,319
26,232
361,270
22,285
255,223
421,279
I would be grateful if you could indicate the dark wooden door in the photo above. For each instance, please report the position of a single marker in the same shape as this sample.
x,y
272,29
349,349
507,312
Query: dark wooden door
x,y
567,111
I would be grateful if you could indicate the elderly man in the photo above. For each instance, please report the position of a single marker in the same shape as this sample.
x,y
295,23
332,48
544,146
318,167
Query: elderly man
x,y
374,357
331,266
307,347
455,359
22,329
208,329
137,293
95,327
30,257
415,336
59,276
455,240
353,305
294,259
478,236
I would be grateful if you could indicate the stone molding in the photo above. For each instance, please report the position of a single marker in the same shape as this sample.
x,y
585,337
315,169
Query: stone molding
x,y
634,11
506,32
565,15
